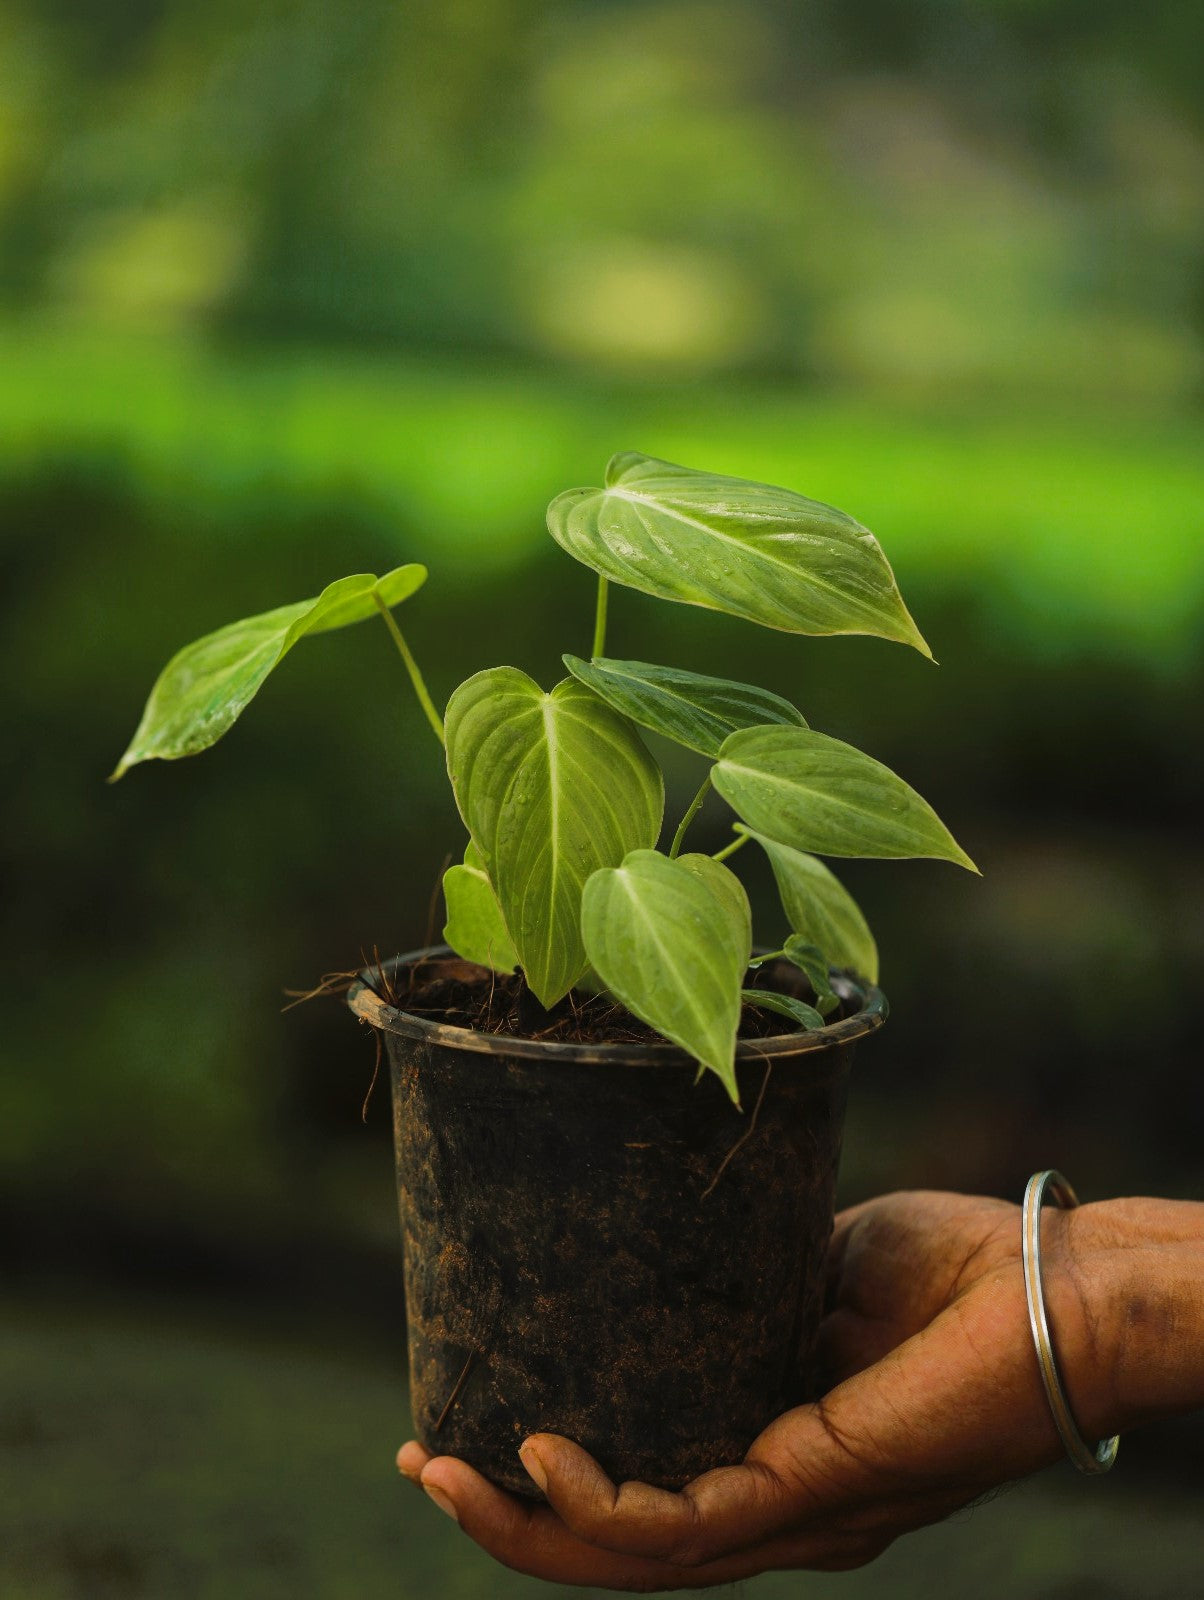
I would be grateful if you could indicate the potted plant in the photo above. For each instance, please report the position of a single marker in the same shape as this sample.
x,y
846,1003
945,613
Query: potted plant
x,y
617,1128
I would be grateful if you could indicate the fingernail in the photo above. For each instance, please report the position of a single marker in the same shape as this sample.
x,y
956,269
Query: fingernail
x,y
442,1500
534,1466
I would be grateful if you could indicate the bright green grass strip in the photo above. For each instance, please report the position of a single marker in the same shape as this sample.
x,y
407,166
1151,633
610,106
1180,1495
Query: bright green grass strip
x,y
1078,531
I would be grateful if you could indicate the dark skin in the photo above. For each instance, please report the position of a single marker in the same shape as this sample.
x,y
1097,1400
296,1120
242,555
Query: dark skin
x,y
936,1399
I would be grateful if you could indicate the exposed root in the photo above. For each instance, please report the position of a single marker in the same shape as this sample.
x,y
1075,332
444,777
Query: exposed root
x,y
457,1391
382,983
330,983
744,1137
380,1046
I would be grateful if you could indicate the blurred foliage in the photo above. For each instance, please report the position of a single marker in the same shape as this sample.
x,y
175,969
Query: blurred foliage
x,y
1077,530
927,193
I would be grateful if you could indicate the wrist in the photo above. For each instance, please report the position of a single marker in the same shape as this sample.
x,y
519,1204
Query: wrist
x,y
1127,1310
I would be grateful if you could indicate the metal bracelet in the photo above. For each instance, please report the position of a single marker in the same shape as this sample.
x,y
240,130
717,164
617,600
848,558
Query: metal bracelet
x,y
1080,1452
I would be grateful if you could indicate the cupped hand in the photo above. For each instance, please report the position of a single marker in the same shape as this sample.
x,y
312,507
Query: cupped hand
x,y
937,1399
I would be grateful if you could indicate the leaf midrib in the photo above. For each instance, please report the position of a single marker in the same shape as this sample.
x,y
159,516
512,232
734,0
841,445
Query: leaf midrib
x,y
550,744
640,500
666,955
669,694
802,788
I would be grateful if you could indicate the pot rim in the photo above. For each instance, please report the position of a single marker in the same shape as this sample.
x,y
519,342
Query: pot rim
x,y
369,1007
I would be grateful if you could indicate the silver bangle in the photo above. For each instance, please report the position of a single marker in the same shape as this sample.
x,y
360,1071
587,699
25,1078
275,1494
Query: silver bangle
x,y
1080,1452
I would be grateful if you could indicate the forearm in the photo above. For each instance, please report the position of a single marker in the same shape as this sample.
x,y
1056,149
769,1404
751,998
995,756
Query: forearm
x,y
1136,1346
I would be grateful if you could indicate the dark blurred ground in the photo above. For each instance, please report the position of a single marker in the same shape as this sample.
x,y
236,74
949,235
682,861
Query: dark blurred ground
x,y
281,300
143,1454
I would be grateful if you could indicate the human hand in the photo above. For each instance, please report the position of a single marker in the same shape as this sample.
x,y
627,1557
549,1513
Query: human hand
x,y
937,1400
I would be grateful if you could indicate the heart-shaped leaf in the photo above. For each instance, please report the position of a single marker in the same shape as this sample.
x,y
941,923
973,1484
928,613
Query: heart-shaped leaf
x,y
785,1005
672,940
804,789
551,787
204,688
475,929
745,548
819,908
687,707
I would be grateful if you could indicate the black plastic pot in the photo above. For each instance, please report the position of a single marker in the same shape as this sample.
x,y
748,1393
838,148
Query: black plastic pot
x,y
599,1247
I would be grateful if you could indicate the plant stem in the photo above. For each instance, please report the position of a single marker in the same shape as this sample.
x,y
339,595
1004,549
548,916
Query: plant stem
x,y
692,811
600,618
759,961
730,849
416,678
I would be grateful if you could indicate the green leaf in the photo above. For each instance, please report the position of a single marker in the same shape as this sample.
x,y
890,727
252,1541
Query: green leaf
x,y
819,908
474,928
747,549
551,787
204,688
785,1004
672,940
810,959
806,790
686,707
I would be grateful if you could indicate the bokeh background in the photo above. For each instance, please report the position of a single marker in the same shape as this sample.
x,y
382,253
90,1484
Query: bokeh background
x,y
290,290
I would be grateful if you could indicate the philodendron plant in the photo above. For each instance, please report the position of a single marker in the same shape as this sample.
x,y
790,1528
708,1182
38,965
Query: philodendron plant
x,y
564,804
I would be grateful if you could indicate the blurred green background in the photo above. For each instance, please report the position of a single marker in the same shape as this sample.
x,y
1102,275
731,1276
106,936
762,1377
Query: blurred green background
x,y
289,291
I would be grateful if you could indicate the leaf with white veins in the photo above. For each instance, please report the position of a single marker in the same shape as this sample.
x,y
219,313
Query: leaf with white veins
x,y
206,686
731,545
812,792
551,786
687,707
672,940
819,908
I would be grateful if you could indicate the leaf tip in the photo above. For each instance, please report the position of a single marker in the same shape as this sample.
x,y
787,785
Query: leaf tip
x,y
918,642
961,859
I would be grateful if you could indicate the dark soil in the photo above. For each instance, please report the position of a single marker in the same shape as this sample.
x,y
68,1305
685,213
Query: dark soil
x,y
450,990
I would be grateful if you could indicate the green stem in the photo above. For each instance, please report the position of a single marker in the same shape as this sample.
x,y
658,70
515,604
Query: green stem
x,y
600,618
416,678
692,811
759,961
730,849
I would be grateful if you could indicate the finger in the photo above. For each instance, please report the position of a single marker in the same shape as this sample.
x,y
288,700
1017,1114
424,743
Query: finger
x,y
842,1229
411,1459
721,1513
850,1216
533,1540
